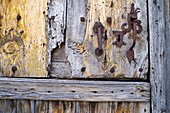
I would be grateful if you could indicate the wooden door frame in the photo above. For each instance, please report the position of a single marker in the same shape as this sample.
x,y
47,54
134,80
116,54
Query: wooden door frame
x,y
157,37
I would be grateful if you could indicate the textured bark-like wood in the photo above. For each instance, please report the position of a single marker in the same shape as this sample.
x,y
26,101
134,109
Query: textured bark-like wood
x,y
82,41
73,90
23,38
157,55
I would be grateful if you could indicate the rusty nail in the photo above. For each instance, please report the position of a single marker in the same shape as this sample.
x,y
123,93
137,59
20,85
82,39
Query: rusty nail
x,y
112,70
82,19
83,69
52,17
109,20
18,17
14,68
140,69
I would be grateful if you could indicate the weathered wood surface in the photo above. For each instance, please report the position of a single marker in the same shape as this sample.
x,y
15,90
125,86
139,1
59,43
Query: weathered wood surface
x,y
78,107
73,90
167,53
56,24
157,55
23,42
81,41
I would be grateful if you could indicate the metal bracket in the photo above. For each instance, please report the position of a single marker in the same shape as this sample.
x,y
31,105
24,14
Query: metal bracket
x,y
133,24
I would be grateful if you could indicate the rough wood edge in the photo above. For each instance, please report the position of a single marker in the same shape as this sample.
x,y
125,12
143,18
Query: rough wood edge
x,y
157,55
73,90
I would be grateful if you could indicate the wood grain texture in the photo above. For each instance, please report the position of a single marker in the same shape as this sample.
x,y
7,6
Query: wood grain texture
x,y
73,90
55,25
23,38
115,107
23,106
157,55
8,106
167,53
81,41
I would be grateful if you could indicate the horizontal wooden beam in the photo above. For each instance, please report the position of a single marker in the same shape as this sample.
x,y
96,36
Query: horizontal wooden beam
x,y
73,90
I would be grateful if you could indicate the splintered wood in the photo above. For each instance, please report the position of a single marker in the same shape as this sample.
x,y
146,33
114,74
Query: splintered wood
x,y
81,41
23,42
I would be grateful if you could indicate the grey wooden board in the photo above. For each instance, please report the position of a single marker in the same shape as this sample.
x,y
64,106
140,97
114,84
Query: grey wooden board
x,y
167,25
73,90
157,55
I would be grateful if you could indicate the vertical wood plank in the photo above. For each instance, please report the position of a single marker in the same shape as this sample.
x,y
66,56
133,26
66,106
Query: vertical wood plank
x,y
157,55
61,107
82,41
23,38
126,107
41,106
24,106
8,106
56,25
167,25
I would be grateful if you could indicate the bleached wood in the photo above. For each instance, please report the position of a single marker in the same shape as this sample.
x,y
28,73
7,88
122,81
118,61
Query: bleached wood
x,y
157,55
81,41
167,53
73,90
56,24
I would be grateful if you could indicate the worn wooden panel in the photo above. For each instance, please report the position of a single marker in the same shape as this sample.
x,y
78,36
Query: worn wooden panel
x,y
61,107
56,24
167,53
157,55
8,106
23,106
23,38
72,90
115,107
81,41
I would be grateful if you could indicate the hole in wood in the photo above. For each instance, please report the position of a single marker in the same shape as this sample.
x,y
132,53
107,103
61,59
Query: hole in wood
x,y
131,93
49,91
73,91
94,91
144,110
121,90
112,91
118,38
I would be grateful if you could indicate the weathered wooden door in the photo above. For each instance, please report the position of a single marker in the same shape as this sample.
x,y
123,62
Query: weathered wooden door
x,y
80,41
60,38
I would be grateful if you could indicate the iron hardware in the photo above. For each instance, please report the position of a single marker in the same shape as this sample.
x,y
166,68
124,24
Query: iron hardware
x,y
98,28
133,24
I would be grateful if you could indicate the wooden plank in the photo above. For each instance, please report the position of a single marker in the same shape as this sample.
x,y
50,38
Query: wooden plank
x,y
167,53
157,55
23,106
23,38
82,41
73,90
61,107
56,24
41,106
8,106
126,107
